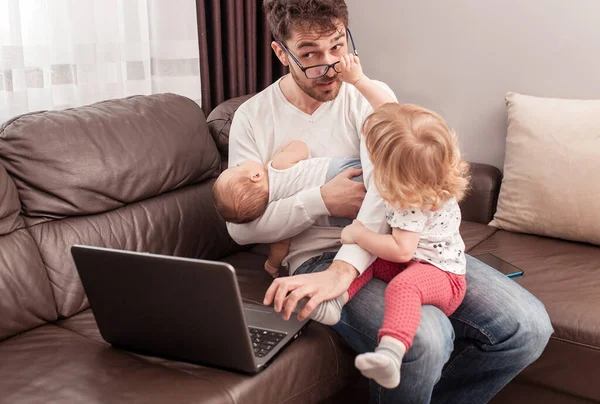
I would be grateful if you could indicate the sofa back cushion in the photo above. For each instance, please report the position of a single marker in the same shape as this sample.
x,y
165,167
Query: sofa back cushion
x,y
10,206
133,174
219,123
182,222
26,298
98,158
552,161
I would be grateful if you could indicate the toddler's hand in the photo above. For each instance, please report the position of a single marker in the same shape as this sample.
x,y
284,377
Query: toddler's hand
x,y
351,70
350,232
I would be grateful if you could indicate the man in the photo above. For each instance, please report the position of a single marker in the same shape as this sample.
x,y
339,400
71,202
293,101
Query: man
x,y
499,329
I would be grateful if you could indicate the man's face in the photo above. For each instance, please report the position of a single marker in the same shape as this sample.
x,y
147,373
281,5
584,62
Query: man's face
x,y
315,48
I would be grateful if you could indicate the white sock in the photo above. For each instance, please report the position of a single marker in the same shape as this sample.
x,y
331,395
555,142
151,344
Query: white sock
x,y
383,365
329,312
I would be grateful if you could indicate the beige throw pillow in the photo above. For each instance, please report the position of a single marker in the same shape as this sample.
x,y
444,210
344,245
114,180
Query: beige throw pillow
x,y
551,184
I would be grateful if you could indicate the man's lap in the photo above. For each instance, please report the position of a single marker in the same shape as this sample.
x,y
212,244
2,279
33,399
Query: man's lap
x,y
500,328
364,313
494,307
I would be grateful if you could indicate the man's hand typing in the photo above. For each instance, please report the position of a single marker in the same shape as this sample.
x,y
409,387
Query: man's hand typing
x,y
285,293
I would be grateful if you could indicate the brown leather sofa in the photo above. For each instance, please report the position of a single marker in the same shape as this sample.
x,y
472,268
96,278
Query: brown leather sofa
x,y
136,174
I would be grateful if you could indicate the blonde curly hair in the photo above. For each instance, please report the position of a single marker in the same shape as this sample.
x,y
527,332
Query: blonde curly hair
x,y
416,157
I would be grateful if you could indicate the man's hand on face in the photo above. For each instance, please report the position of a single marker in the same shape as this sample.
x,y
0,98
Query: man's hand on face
x,y
286,292
342,196
351,69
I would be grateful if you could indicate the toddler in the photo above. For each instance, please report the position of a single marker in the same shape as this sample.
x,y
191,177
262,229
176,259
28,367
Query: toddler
x,y
242,193
419,173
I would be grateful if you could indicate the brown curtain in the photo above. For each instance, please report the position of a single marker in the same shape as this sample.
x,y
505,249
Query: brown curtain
x,y
235,50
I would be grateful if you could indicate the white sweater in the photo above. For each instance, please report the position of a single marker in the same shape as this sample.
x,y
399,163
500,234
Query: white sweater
x,y
265,123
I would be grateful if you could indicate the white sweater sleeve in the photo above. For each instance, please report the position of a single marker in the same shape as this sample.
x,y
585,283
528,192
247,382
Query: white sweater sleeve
x,y
283,218
371,214
372,211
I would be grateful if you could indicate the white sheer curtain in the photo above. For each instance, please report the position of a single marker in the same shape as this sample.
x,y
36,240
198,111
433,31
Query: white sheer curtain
x,y
63,53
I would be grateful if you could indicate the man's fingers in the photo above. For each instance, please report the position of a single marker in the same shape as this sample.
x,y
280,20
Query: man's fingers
x,y
270,294
360,189
352,172
280,295
310,306
360,186
293,298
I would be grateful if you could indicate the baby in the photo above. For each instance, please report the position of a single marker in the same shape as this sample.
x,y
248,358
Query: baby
x,y
241,194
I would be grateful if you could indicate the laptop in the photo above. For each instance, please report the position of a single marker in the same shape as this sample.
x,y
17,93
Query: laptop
x,y
180,308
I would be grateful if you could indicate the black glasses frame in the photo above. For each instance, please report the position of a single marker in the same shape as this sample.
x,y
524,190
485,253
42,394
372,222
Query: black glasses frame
x,y
329,66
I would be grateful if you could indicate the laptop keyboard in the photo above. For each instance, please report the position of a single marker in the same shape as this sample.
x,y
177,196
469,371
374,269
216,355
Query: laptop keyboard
x,y
263,341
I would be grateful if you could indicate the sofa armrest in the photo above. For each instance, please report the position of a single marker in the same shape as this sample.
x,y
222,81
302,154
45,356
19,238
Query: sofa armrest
x,y
480,203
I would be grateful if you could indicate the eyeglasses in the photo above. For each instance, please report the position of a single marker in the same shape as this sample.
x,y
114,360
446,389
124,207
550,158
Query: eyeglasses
x,y
316,71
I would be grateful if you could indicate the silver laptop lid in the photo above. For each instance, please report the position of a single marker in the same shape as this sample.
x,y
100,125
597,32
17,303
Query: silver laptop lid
x,y
179,308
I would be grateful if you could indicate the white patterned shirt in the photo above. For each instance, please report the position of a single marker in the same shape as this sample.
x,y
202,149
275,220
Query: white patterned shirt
x,y
440,243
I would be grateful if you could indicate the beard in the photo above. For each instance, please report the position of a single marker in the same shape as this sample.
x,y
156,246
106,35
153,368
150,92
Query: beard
x,y
313,89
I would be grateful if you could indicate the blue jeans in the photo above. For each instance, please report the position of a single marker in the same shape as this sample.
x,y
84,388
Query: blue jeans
x,y
499,329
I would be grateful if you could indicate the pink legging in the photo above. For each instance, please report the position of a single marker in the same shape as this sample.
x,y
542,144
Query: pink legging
x,y
411,285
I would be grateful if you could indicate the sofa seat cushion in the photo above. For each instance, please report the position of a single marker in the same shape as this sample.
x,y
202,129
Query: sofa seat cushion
x,y
475,233
253,280
565,276
516,391
53,365
314,367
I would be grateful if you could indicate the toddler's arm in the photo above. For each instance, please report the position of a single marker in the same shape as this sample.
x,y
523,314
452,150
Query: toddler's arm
x,y
290,154
277,253
400,246
352,73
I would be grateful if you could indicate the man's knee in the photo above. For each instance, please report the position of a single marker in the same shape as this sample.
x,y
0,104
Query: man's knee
x,y
523,328
502,315
433,342
534,331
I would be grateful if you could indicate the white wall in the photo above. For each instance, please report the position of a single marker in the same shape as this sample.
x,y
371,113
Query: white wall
x,y
459,57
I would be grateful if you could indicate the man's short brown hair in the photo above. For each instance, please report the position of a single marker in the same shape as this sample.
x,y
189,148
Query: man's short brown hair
x,y
319,15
